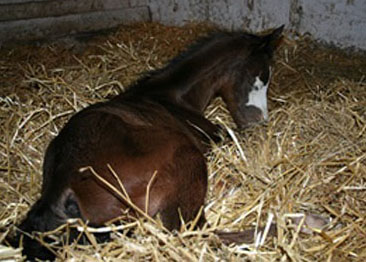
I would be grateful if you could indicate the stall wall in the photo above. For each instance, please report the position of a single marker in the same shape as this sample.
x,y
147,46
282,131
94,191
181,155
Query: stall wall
x,y
340,22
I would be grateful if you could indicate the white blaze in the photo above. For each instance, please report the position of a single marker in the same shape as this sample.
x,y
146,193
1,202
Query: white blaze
x,y
258,96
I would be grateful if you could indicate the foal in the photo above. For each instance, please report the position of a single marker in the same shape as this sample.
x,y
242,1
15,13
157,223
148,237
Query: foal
x,y
156,128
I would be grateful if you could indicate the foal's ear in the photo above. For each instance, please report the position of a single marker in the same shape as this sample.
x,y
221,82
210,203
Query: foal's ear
x,y
277,33
273,40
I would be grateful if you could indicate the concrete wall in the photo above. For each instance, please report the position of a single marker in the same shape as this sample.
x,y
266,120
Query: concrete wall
x,y
341,22
35,19
231,14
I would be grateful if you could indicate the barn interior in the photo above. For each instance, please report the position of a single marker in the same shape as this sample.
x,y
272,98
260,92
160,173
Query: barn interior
x,y
309,159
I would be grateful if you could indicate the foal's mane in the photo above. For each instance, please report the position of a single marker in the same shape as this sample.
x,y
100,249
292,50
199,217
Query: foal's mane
x,y
201,45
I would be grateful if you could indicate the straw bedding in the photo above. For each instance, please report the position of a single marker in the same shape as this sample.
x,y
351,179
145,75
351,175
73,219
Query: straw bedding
x,y
310,158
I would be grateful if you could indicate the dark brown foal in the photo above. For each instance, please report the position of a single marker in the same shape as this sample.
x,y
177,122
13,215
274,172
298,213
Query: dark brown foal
x,y
153,137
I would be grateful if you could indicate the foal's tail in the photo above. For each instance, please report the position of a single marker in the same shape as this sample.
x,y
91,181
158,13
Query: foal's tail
x,y
53,209
40,218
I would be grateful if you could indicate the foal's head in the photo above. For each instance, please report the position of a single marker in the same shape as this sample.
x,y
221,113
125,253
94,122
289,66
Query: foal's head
x,y
248,74
233,65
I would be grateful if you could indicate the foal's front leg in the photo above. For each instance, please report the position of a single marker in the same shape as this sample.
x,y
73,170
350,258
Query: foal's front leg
x,y
204,127
197,123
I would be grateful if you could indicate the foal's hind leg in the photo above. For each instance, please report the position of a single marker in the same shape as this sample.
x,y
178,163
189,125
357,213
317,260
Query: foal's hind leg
x,y
190,173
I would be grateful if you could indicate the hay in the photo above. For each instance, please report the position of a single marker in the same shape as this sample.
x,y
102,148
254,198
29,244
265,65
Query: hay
x,y
309,159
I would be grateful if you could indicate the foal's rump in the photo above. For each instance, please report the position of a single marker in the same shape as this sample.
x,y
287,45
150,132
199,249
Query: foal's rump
x,y
108,148
154,164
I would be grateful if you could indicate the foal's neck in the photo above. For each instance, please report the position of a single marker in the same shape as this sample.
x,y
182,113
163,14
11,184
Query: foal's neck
x,y
191,80
198,89
191,84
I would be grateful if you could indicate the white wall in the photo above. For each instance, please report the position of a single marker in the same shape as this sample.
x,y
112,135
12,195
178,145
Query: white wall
x,y
341,22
